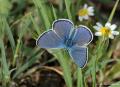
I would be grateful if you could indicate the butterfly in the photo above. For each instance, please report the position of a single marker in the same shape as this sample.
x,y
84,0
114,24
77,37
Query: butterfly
x,y
64,35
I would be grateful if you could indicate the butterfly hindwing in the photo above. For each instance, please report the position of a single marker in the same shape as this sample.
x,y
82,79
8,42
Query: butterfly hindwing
x,y
82,36
50,39
79,55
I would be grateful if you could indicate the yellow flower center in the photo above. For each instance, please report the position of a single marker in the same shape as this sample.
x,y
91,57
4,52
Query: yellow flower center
x,y
105,31
83,12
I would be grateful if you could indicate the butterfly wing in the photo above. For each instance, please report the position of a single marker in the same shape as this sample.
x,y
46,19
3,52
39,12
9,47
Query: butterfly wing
x,y
63,27
82,36
79,55
50,39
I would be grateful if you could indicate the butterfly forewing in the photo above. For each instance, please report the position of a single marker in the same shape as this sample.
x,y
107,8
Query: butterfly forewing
x,y
50,39
82,36
63,27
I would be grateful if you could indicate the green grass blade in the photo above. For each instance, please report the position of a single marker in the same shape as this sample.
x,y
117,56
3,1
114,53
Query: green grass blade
x,y
25,23
79,3
35,25
43,12
113,11
5,68
93,72
32,60
66,69
8,32
22,31
54,13
10,36
80,78
61,5
68,4
116,84
16,52
5,6
63,58
0,73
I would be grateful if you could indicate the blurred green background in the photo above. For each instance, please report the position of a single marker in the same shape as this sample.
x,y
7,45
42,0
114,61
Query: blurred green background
x,y
23,64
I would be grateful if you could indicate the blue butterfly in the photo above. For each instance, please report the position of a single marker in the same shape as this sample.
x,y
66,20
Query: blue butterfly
x,y
64,35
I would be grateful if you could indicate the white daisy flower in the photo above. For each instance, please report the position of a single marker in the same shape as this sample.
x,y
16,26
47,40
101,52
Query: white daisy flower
x,y
85,12
108,30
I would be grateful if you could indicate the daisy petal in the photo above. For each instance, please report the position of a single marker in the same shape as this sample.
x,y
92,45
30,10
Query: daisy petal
x,y
80,18
111,36
86,17
96,27
107,24
98,34
91,13
99,24
115,32
85,6
113,27
91,9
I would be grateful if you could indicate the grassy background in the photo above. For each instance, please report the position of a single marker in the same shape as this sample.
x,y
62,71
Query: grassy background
x,y
22,21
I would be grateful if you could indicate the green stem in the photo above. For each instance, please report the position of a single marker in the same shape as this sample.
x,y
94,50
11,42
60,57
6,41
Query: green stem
x,y
94,72
80,78
16,52
113,11
96,57
101,78
63,58
68,3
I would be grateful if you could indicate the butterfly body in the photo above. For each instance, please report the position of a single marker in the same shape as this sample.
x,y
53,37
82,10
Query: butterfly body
x,y
64,35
